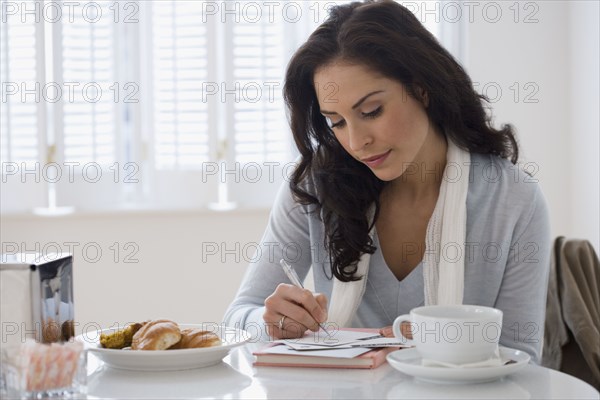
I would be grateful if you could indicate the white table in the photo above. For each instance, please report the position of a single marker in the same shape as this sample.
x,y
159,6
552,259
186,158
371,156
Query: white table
x,y
236,378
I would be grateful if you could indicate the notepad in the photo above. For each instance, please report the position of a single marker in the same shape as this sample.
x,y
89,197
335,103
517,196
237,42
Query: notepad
x,y
320,355
336,339
365,343
278,355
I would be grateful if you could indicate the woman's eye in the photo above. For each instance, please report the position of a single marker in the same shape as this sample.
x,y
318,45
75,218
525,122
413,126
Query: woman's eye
x,y
332,124
338,124
341,122
373,113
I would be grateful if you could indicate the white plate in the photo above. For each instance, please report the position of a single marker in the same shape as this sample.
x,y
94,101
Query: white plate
x,y
408,361
167,360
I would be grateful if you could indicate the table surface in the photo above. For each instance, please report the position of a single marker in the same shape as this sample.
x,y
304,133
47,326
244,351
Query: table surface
x,y
236,378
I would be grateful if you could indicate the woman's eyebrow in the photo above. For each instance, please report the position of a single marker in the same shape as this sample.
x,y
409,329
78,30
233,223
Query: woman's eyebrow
x,y
358,103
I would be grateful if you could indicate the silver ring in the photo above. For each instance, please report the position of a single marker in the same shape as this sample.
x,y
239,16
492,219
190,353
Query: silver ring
x,y
283,317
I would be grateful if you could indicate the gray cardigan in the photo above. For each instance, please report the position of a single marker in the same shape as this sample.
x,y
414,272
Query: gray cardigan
x,y
506,263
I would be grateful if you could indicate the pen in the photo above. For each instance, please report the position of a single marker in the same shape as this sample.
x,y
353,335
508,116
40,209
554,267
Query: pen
x,y
293,277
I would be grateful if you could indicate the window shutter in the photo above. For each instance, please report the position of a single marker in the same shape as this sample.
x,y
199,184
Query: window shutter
x,y
90,117
90,124
259,140
179,125
207,123
180,69
257,53
22,106
22,111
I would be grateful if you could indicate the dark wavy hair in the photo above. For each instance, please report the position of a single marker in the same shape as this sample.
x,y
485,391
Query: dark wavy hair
x,y
387,38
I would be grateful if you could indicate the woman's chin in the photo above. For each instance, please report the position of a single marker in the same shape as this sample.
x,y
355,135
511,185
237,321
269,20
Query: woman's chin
x,y
385,175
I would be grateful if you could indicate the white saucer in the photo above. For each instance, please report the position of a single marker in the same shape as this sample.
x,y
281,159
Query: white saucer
x,y
408,361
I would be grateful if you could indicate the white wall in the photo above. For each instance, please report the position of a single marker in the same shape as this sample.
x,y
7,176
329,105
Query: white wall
x,y
584,134
169,279
500,54
558,55
560,133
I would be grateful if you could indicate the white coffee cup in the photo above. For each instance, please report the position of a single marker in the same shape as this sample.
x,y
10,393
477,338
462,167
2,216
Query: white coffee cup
x,y
457,334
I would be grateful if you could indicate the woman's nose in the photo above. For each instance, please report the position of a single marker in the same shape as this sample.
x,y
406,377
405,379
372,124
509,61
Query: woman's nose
x,y
358,138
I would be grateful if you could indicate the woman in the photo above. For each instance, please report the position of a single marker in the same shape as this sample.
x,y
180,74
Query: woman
x,y
404,193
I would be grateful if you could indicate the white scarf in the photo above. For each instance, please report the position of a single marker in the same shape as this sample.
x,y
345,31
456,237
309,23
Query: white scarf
x,y
444,247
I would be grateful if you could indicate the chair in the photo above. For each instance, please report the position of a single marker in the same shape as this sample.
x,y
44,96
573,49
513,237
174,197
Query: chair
x,y
572,327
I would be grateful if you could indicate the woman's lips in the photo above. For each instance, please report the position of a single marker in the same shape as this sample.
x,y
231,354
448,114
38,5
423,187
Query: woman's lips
x,y
377,160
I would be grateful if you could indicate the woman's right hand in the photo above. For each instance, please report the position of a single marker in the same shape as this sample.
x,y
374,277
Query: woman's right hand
x,y
290,311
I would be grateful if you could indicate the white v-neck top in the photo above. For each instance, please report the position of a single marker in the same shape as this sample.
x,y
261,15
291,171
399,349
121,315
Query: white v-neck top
x,y
507,259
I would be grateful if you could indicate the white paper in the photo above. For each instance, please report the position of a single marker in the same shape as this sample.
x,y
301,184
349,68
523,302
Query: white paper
x,y
337,353
380,342
370,343
337,338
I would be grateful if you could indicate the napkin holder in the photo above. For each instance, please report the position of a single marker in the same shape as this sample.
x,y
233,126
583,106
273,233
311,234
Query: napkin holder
x,y
36,297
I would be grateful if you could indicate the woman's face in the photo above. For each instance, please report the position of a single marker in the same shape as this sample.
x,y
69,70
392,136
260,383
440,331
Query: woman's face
x,y
373,118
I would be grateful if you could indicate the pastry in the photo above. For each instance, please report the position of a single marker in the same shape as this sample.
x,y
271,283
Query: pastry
x,y
196,338
156,335
121,338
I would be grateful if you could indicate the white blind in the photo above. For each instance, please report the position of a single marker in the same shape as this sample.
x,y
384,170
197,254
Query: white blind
x,y
88,56
22,109
21,89
260,131
156,93
179,65
244,87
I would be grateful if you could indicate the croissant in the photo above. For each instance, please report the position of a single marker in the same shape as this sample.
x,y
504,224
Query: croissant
x,y
193,338
156,335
